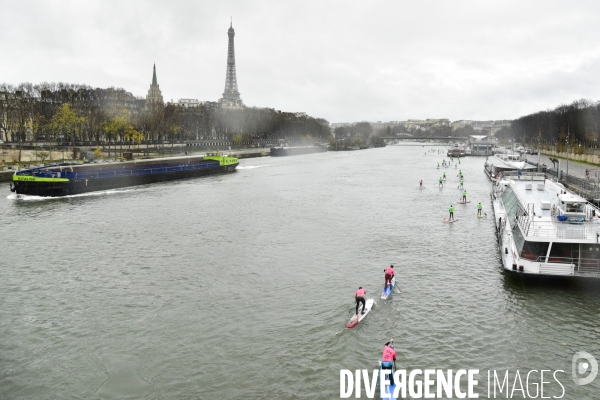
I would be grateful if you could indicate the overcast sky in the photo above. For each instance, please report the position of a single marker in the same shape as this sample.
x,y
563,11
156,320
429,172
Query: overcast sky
x,y
339,60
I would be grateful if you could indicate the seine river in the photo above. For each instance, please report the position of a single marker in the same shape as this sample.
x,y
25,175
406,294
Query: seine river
x,y
240,285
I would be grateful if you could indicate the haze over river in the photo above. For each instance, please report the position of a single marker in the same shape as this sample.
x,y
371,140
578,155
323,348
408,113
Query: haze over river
x,y
240,285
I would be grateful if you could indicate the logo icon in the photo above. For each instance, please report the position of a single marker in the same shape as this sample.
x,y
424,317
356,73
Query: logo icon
x,y
584,363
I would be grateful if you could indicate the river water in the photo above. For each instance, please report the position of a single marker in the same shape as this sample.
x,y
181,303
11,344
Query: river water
x,y
240,285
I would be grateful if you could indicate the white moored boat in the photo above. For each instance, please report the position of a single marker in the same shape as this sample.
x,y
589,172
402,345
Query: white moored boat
x,y
544,229
503,163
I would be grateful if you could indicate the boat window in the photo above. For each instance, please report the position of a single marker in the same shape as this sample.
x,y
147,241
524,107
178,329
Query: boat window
x,y
535,250
511,203
564,252
518,238
590,256
574,207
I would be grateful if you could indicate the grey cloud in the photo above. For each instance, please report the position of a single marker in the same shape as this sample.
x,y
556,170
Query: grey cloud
x,y
341,60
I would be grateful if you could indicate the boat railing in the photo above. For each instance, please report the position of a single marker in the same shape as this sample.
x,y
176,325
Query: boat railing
x,y
587,266
561,230
525,175
591,211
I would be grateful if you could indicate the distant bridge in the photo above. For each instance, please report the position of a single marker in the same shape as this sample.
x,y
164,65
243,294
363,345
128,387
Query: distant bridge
x,y
423,138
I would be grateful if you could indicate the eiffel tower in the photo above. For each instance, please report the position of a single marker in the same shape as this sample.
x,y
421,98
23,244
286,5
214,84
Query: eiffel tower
x,y
231,95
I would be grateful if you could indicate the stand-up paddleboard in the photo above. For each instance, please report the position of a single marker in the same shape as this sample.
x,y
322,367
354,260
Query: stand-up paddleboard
x,y
449,222
356,318
387,291
479,216
464,202
388,390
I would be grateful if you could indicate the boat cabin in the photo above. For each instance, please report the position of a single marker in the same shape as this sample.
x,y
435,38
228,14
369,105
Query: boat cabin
x,y
572,206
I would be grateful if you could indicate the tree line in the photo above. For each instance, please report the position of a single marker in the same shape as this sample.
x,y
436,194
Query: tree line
x,y
63,112
575,126
359,134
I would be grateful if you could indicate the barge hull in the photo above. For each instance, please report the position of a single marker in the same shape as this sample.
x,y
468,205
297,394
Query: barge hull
x,y
79,186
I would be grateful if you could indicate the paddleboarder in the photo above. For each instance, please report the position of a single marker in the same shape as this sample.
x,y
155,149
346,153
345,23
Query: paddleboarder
x,y
359,296
479,207
464,196
389,355
462,181
441,182
389,275
451,218
421,183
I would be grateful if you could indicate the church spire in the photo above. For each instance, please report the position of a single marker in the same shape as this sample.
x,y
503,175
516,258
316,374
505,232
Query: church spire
x,y
154,94
154,83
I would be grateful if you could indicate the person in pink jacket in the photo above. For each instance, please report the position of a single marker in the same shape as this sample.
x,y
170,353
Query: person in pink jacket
x,y
359,296
389,274
389,355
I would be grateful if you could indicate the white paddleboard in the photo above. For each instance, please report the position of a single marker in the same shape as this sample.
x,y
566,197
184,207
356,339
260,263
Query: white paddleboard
x,y
356,318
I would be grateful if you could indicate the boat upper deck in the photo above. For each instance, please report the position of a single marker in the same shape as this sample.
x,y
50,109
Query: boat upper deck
x,y
509,162
548,212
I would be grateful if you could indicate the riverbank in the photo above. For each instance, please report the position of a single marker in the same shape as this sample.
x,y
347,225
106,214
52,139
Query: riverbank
x,y
590,158
576,167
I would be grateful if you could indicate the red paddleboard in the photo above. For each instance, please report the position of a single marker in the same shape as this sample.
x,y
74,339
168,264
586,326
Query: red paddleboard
x,y
464,202
356,318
